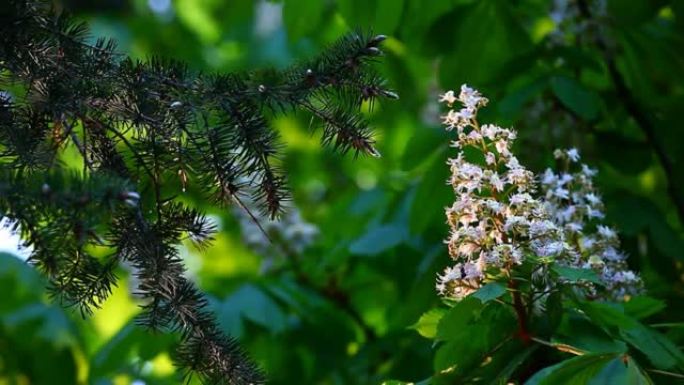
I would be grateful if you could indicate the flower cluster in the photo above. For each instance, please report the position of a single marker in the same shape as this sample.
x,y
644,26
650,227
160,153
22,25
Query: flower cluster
x,y
494,221
569,22
500,218
575,206
274,238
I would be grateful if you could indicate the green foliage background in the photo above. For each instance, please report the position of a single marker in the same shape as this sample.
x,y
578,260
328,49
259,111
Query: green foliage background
x,y
341,313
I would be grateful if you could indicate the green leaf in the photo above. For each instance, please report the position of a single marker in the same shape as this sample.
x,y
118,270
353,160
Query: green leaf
x,y
396,382
573,274
576,97
514,102
575,330
199,17
18,278
251,303
433,193
642,306
622,370
504,375
302,17
554,310
630,156
456,320
635,12
378,239
427,324
47,322
660,351
379,16
489,292
471,330
499,366
127,344
592,369
387,15
634,214
358,13
482,39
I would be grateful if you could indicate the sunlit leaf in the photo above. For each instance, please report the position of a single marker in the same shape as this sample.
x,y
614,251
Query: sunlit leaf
x,y
427,324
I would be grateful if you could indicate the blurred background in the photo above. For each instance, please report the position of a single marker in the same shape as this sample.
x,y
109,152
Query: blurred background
x,y
351,267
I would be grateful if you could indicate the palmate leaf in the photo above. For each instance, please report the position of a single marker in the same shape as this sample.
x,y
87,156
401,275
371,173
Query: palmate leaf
x,y
592,369
577,331
471,330
574,275
643,306
454,323
489,292
661,352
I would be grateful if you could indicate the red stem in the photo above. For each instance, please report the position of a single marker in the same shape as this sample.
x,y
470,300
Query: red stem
x,y
519,306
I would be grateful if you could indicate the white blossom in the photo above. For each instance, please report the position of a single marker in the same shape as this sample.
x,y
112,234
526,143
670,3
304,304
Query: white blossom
x,y
577,215
561,193
606,232
502,147
593,199
501,215
497,183
471,98
449,97
589,172
293,233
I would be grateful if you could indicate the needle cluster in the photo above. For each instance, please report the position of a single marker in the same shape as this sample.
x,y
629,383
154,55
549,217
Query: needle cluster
x,y
144,133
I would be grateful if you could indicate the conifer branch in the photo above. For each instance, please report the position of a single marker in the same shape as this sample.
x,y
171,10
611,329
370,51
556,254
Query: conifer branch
x,y
140,127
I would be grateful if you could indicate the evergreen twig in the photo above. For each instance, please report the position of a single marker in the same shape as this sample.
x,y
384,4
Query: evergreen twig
x,y
140,128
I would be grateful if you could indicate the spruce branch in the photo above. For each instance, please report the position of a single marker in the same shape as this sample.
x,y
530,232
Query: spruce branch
x,y
145,132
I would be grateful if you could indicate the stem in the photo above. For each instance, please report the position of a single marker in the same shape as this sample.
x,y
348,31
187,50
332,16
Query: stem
x,y
83,150
519,307
665,373
562,347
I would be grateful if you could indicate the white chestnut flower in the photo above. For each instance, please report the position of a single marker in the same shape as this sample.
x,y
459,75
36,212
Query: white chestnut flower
x,y
500,216
449,97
